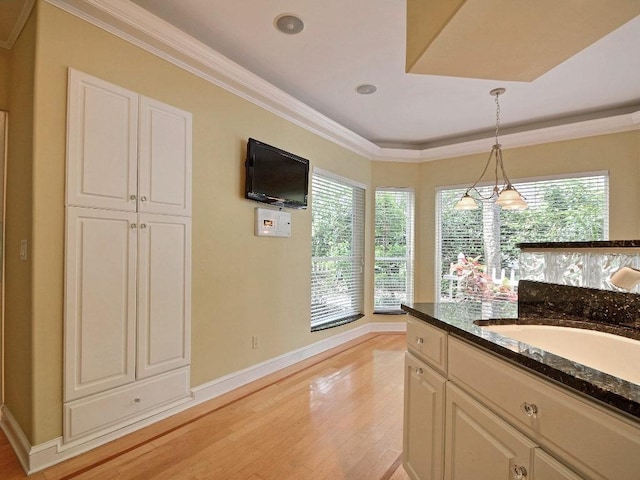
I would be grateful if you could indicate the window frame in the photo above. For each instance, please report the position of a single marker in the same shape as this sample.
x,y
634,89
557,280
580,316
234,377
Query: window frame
x,y
517,183
356,282
408,258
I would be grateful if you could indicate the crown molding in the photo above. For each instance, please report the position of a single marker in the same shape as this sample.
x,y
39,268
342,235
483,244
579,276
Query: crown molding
x,y
139,27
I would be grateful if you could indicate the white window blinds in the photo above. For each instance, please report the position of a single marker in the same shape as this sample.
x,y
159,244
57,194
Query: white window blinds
x,y
394,249
476,255
337,258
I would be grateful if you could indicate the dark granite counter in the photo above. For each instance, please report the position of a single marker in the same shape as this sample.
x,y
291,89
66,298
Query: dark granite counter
x,y
458,319
580,245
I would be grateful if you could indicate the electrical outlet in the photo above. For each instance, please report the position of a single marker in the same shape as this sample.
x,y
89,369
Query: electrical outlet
x,y
254,342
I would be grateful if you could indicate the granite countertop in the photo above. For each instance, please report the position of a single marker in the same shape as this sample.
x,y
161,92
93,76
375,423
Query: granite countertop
x,y
458,319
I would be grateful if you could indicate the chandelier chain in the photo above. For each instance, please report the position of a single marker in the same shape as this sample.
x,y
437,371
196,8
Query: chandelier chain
x,y
497,117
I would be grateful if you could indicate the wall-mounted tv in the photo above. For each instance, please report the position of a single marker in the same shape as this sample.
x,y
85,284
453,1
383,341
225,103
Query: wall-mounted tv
x,y
276,177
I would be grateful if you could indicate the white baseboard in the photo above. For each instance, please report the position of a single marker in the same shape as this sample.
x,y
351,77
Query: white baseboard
x,y
38,457
220,386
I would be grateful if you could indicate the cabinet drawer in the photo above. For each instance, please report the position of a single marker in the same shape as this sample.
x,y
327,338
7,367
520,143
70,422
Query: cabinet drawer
x,y
128,403
428,343
586,434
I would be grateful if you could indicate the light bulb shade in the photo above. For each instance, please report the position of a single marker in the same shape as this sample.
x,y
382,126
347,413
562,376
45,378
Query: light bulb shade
x,y
510,199
466,203
508,195
515,205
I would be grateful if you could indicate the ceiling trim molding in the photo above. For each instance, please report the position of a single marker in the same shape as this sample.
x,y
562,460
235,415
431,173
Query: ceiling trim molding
x,y
569,131
18,26
139,27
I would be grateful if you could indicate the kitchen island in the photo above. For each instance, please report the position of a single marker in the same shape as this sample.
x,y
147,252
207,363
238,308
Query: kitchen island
x,y
479,404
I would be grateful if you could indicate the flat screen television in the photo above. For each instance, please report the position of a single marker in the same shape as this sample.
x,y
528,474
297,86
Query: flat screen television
x,y
276,177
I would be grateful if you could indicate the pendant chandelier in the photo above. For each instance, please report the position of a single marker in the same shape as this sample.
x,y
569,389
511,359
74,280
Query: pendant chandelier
x,y
504,193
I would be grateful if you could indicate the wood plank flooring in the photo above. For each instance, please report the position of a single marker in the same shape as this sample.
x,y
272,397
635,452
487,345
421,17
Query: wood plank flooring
x,y
332,417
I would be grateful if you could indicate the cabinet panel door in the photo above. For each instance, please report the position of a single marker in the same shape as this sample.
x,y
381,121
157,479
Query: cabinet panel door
x,y
102,144
164,293
100,300
545,467
165,159
479,444
423,421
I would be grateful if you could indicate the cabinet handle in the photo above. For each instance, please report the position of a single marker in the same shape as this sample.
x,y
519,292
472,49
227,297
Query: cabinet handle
x,y
136,400
132,197
133,226
419,371
143,226
519,472
419,340
143,199
529,409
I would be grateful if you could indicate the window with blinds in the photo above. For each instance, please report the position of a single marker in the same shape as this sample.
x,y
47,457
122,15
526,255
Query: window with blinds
x,y
476,253
394,249
337,258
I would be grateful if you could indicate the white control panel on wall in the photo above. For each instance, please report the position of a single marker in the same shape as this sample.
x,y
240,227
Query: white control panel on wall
x,y
272,223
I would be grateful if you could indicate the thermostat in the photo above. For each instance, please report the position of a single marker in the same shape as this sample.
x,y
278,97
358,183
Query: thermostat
x,y
272,223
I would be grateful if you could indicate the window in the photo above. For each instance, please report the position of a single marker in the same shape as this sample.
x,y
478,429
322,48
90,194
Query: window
x,y
337,257
476,254
393,277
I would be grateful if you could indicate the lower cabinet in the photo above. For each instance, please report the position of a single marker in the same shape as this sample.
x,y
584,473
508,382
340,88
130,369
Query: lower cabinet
x,y
480,445
127,317
548,468
423,420
460,424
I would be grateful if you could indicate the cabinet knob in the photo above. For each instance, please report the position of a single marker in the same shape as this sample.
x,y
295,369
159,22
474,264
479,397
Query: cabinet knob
x,y
136,400
132,197
143,199
419,340
419,371
529,409
143,226
519,472
133,226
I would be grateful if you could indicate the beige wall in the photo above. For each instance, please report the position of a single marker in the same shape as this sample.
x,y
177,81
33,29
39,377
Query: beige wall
x,y
4,78
242,285
619,154
19,387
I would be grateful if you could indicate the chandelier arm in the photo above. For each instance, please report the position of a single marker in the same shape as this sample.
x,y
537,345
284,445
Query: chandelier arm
x,y
486,166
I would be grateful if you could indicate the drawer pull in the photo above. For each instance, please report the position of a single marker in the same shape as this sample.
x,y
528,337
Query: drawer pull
x,y
419,340
529,409
419,371
519,472
136,400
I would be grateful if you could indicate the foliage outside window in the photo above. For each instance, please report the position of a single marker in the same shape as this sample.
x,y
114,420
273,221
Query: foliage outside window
x,y
394,251
337,258
476,250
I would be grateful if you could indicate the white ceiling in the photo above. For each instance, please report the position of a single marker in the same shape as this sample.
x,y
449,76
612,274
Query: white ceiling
x,y
349,42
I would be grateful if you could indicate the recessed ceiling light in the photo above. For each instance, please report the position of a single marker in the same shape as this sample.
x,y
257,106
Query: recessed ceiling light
x,y
289,24
366,89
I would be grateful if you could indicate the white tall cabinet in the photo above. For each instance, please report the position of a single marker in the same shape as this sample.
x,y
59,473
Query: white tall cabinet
x,y
127,258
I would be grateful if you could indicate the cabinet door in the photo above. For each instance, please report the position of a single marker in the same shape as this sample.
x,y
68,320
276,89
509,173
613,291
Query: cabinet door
x,y
102,148
164,184
164,293
480,445
423,420
100,300
545,467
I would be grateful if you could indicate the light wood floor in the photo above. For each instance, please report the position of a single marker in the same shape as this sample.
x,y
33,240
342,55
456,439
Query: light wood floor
x,y
336,416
